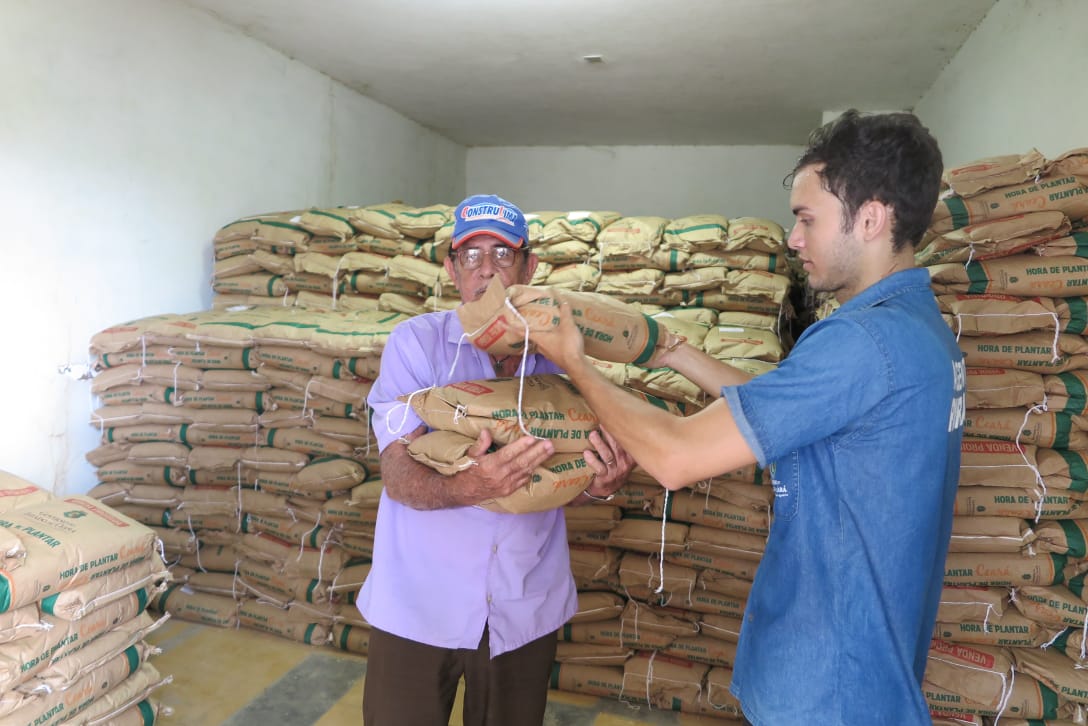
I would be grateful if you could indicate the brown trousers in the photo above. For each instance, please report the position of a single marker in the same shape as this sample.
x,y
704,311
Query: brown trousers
x,y
412,684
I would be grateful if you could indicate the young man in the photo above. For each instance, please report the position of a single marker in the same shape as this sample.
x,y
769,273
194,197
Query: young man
x,y
456,590
860,430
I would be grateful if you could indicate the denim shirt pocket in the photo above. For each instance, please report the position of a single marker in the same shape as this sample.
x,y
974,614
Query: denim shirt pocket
x,y
786,481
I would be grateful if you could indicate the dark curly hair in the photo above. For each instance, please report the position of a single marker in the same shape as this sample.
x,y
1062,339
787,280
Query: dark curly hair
x,y
891,158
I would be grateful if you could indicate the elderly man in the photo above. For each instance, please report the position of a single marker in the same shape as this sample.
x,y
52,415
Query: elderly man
x,y
456,590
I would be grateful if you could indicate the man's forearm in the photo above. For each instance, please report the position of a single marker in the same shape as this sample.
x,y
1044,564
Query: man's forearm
x,y
414,484
709,374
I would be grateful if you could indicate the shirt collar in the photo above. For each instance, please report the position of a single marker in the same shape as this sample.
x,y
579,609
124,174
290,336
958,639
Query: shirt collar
x,y
899,283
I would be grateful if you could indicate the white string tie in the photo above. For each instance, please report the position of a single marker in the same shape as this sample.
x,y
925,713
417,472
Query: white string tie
x,y
661,562
1006,693
649,679
306,397
1084,638
970,253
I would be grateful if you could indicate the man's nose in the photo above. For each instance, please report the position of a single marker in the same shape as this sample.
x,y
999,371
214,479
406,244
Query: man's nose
x,y
796,239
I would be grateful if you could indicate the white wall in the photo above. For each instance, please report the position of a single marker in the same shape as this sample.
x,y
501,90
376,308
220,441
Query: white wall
x,y
131,130
666,181
1017,83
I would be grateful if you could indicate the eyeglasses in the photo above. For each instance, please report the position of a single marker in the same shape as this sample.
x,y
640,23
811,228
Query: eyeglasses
x,y
472,257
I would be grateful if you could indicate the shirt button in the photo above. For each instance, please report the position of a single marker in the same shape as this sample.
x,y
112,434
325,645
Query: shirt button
x,y
489,599
494,549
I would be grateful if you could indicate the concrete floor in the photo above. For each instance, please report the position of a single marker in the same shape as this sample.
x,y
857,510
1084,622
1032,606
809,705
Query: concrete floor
x,y
247,678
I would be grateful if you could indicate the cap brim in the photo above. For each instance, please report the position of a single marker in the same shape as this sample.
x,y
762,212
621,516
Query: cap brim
x,y
509,239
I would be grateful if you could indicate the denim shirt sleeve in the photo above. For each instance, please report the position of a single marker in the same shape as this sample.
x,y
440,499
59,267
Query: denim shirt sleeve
x,y
833,377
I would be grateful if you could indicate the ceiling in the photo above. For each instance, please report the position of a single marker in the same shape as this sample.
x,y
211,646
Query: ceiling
x,y
685,72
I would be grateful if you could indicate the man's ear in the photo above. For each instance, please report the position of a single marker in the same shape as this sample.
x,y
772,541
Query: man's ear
x,y
873,219
531,261
448,264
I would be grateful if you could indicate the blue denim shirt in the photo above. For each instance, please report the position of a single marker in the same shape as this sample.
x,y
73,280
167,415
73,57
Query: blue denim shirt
x,y
861,428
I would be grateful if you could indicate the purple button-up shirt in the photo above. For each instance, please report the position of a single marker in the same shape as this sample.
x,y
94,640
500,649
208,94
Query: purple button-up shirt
x,y
439,576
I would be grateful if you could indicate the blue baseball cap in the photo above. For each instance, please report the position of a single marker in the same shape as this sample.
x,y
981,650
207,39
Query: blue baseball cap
x,y
489,214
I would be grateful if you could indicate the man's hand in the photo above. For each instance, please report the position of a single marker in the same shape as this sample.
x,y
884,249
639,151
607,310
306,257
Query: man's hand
x,y
610,462
668,343
501,472
562,344
492,475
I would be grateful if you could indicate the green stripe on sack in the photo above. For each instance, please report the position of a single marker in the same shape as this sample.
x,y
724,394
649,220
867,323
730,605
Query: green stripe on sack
x,y
1076,585
1062,641
245,523
310,590
48,604
142,599
1063,424
309,637
284,225
147,712
772,262
344,637
272,285
568,632
694,228
245,359
182,431
165,518
5,592
321,213
1078,469
132,655
1050,700
976,276
960,217
1078,315
1074,538
555,675
258,401
167,394
166,596
651,343
1074,389
1080,240
659,402
1059,562
166,475
109,435
270,437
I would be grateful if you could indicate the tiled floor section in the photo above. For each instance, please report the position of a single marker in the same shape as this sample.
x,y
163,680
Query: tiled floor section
x,y
247,678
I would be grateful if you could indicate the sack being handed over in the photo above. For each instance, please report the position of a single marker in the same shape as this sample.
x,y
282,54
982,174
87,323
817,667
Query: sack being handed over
x,y
613,330
547,406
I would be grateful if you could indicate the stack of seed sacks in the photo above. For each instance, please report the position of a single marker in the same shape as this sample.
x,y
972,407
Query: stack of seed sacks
x,y
663,580
242,438
75,580
1005,255
379,257
721,283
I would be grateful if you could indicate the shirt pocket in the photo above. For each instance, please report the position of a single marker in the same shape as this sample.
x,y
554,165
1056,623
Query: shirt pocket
x,y
786,481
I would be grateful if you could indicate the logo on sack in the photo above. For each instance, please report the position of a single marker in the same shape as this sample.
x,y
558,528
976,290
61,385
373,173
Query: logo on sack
x,y
75,514
486,210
